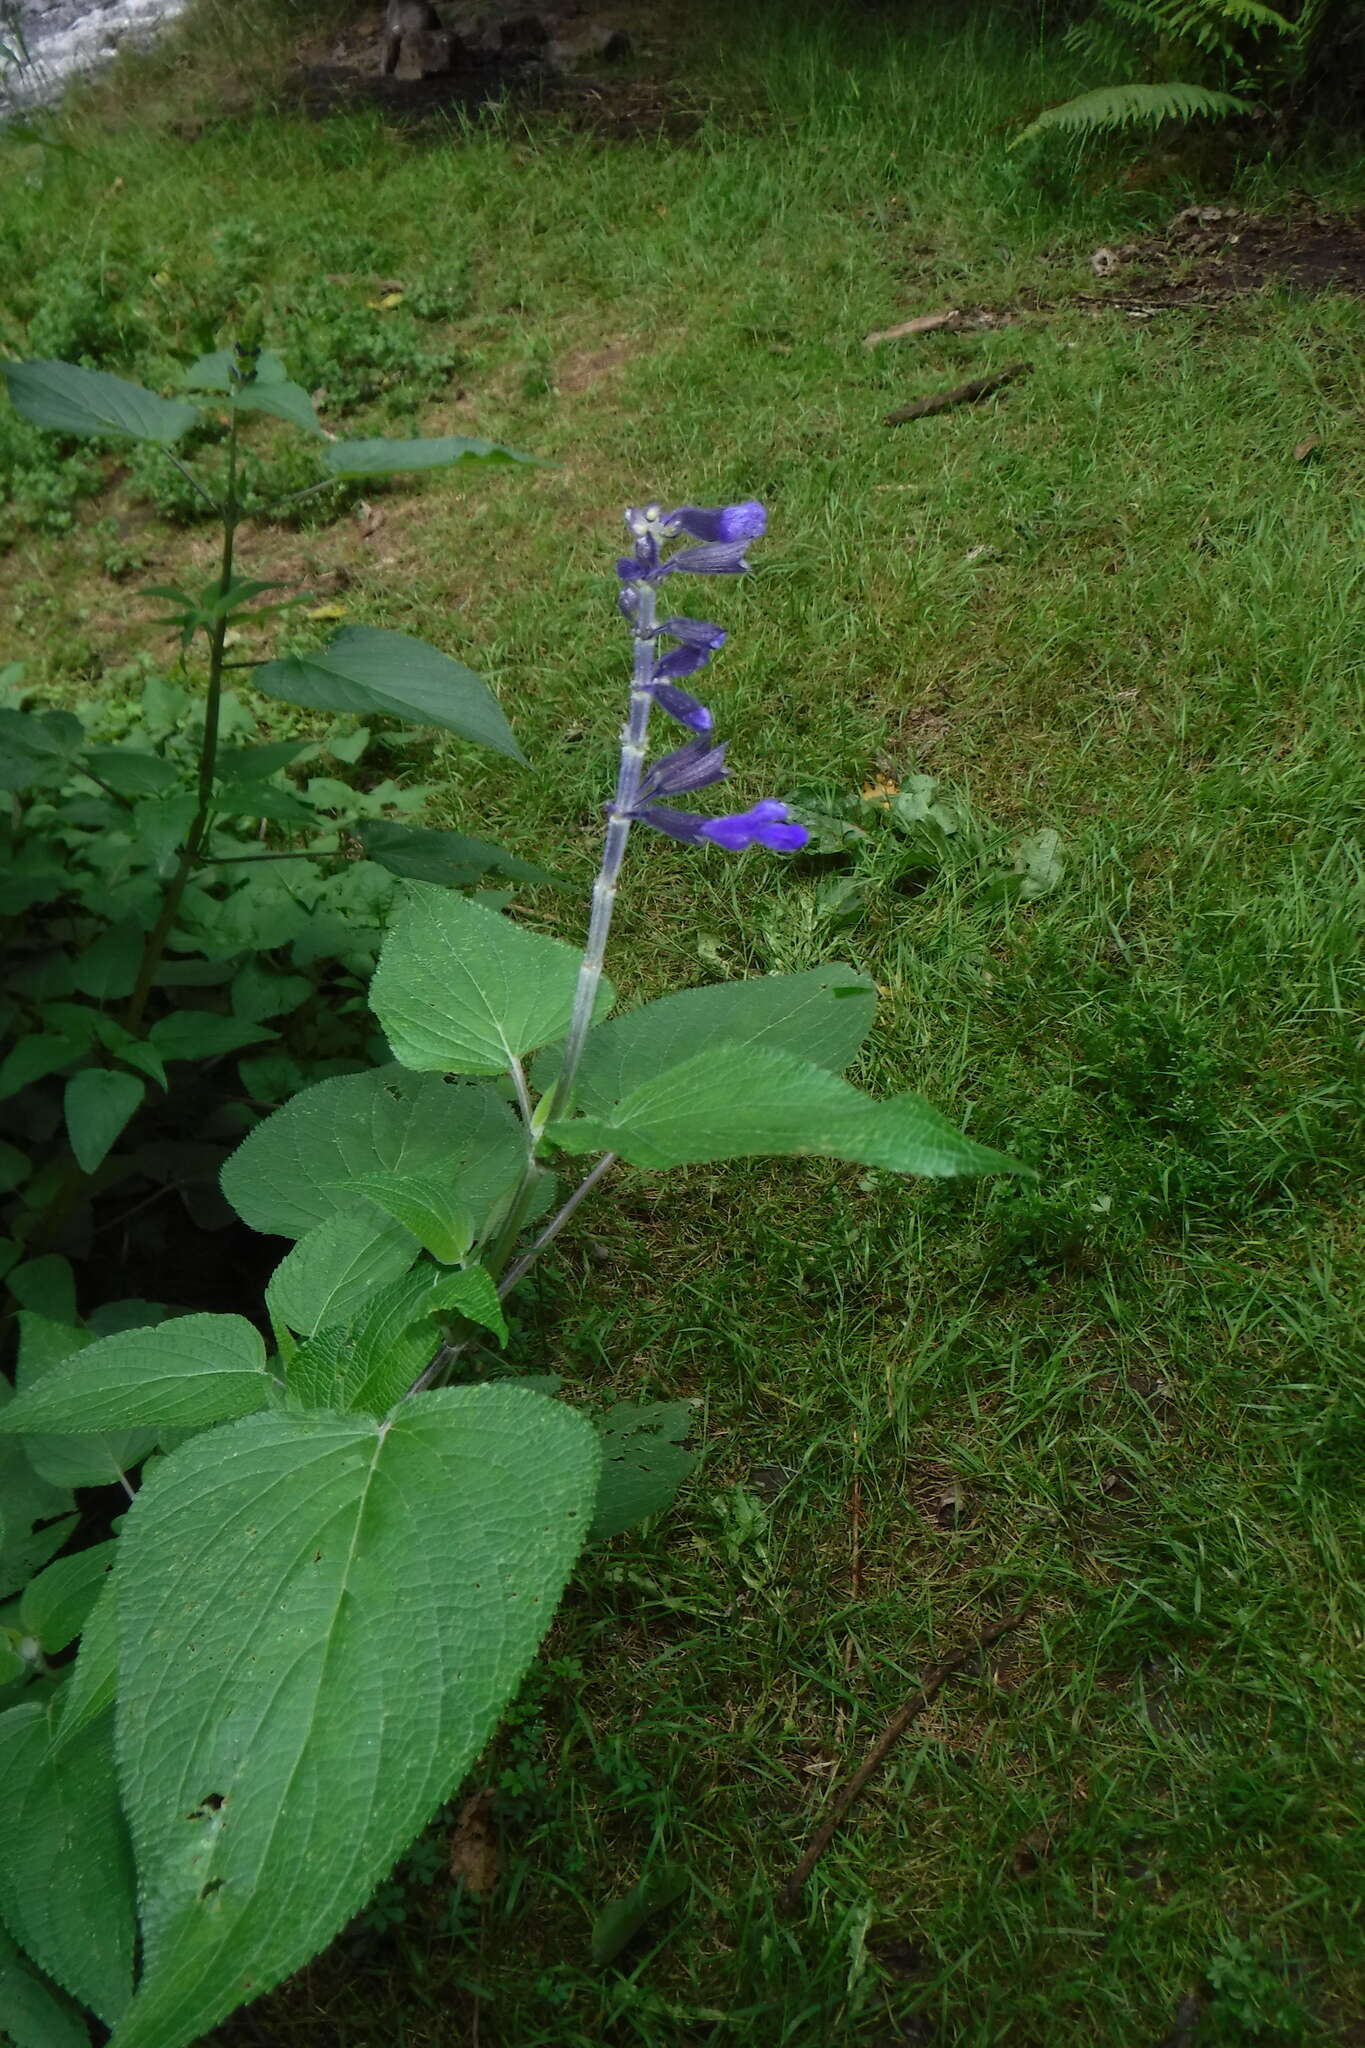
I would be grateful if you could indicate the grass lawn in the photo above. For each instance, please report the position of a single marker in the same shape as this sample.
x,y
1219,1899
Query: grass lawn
x,y
1109,604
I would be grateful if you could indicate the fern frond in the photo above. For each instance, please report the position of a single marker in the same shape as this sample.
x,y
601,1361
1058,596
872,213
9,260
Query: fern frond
x,y
1211,23
1132,106
1101,44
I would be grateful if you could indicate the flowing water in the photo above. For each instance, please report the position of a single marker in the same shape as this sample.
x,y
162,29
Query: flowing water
x,y
62,37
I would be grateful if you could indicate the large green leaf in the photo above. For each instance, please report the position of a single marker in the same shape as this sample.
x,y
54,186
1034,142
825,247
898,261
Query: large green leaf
x,y
283,400
82,1458
77,401
35,1517
367,669
301,1165
322,1618
132,771
217,371
204,1035
94,1675
37,747
438,1220
99,1103
462,990
57,1604
389,458
822,1016
421,854
35,2014
66,1875
109,968
757,1101
336,1266
33,1058
369,1361
47,1285
472,1292
184,1374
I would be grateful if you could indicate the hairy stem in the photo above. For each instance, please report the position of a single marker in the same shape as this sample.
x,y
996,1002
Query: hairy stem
x,y
452,1350
555,1224
633,742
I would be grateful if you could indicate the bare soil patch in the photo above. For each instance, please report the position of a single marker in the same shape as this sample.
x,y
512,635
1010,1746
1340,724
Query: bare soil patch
x,y
1212,253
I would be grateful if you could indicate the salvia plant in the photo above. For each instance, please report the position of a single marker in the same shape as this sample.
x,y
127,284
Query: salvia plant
x,y
186,895
350,1535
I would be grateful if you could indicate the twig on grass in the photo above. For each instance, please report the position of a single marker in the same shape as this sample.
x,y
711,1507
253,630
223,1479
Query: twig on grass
x,y
923,323
961,394
931,1685
855,1574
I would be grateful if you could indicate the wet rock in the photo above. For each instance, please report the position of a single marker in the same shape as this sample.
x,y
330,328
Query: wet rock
x,y
589,42
529,31
431,53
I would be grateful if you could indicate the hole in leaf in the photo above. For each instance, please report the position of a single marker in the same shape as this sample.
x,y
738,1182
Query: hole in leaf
x,y
210,1803
215,1884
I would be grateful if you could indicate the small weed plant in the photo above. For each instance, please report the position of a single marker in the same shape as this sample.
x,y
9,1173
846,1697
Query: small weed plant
x,y
189,894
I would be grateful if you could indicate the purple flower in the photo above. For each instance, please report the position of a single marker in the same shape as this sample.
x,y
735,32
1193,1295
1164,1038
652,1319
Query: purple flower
x,y
764,824
713,558
700,640
680,661
695,766
695,633
683,825
686,710
721,522
722,531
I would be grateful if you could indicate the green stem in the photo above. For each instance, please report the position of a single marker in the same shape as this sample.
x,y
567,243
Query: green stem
x,y
188,858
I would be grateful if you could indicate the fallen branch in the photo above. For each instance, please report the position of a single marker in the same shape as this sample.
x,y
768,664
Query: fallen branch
x,y
961,394
931,1685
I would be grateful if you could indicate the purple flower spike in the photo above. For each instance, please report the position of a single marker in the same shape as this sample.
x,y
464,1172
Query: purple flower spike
x,y
686,710
765,824
721,522
695,766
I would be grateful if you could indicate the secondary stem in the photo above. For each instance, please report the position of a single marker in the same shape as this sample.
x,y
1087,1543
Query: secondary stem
x,y
208,756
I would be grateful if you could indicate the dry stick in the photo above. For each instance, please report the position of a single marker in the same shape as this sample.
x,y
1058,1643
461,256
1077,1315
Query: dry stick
x,y
961,394
923,323
930,1686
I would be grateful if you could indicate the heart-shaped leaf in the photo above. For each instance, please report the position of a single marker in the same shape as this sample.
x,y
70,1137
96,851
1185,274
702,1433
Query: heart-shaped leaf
x,y
462,990
301,1165
275,1754
74,400
367,669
